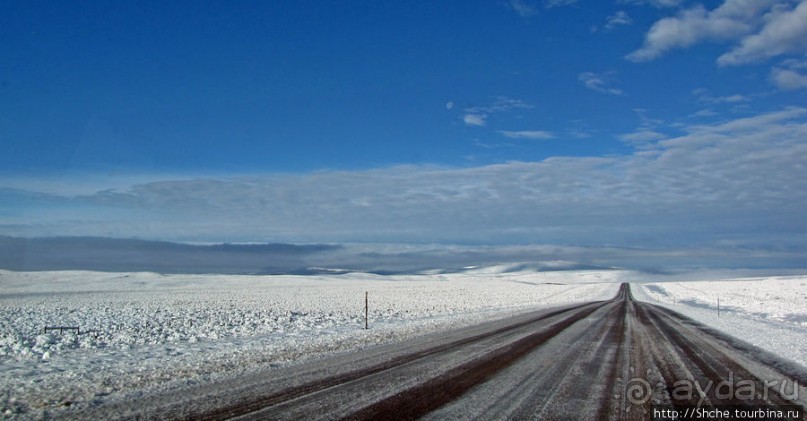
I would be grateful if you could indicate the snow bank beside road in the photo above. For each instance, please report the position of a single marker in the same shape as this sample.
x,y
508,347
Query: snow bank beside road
x,y
149,332
770,313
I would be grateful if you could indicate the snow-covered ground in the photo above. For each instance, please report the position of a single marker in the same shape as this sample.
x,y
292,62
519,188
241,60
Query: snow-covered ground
x,y
769,312
146,333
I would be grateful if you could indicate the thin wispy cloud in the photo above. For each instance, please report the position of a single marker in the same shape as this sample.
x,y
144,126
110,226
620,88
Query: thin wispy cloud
x,y
477,116
500,105
550,4
523,8
475,120
642,136
527,134
647,134
600,82
704,96
618,19
656,3
704,113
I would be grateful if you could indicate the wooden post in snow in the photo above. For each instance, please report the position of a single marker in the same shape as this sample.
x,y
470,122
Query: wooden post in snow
x,y
718,306
366,309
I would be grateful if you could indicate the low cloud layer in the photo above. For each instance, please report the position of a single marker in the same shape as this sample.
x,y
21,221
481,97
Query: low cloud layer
x,y
734,185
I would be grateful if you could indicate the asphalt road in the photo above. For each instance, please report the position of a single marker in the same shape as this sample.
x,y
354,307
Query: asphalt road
x,y
615,359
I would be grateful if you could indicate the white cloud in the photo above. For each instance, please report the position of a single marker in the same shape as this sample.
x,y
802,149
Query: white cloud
x,y
788,79
762,122
599,82
789,75
687,28
523,8
656,3
642,136
760,29
477,116
706,97
477,120
559,3
732,99
704,113
619,18
502,104
784,31
527,134
449,105
795,64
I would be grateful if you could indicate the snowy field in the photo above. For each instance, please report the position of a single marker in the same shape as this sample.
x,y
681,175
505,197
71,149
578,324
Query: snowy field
x,y
143,333
770,313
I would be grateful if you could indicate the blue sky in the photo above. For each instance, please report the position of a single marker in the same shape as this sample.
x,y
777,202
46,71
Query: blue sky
x,y
632,123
